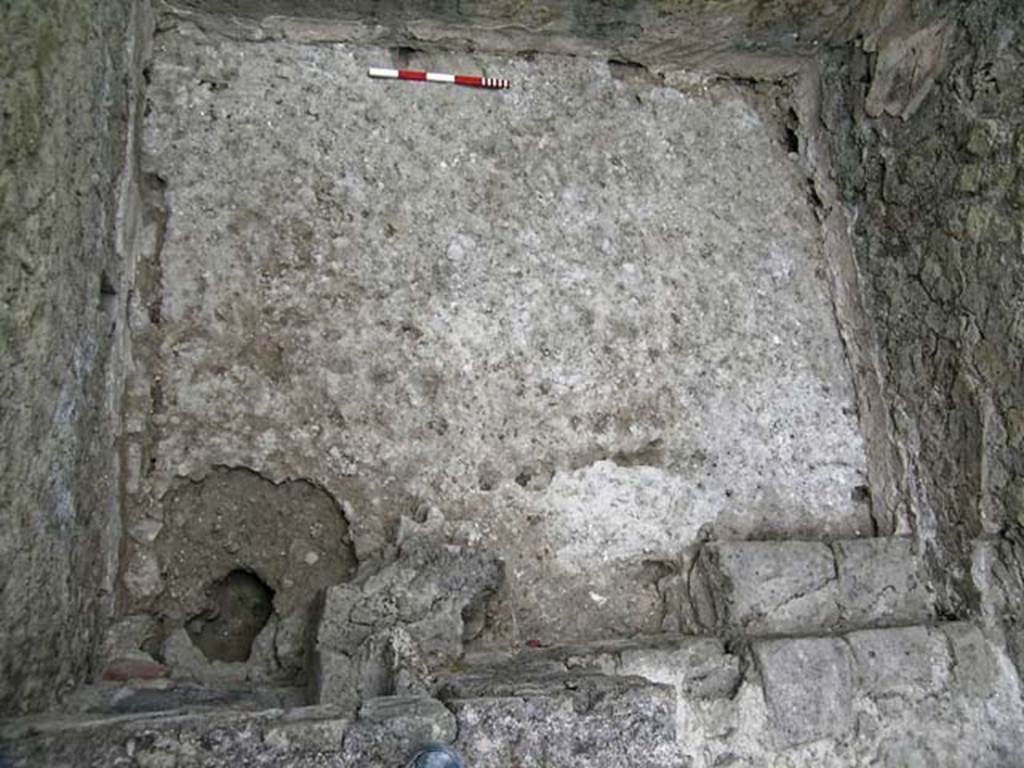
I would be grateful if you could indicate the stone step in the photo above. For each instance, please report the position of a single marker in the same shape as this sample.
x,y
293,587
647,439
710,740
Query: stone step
x,y
942,695
550,717
807,587
862,697
386,634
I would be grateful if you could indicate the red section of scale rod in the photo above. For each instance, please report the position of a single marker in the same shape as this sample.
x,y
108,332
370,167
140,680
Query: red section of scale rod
x,y
473,81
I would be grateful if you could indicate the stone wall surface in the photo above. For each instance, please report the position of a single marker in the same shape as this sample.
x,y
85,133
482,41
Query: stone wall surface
x,y
927,142
765,38
69,72
585,325
569,315
941,695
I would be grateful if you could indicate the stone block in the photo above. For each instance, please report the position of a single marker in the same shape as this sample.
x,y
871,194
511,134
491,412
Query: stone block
x,y
312,729
333,680
383,635
412,712
427,591
975,669
912,662
389,728
881,581
808,687
767,587
580,720
337,628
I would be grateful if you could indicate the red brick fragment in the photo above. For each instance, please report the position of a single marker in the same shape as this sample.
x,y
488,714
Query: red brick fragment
x,y
134,669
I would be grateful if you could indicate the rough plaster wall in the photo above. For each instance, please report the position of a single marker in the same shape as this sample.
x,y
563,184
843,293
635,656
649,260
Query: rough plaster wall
x,y
68,75
568,315
927,137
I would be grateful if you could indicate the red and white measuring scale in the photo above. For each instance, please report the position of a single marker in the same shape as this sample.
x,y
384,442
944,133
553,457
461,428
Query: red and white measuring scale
x,y
473,81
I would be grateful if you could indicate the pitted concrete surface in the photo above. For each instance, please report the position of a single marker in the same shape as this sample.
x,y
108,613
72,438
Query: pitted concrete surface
x,y
584,317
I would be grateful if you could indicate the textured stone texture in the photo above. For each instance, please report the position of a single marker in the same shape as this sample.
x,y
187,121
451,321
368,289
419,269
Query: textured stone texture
x,y
938,243
945,694
998,572
808,687
69,76
900,695
767,587
303,738
138,697
566,314
882,582
580,719
576,363
913,662
392,727
385,634
941,695
736,37
700,667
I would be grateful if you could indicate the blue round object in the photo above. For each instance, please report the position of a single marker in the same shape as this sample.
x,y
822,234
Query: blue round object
x,y
436,756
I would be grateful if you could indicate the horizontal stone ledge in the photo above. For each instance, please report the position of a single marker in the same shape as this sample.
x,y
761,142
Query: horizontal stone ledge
x,y
808,587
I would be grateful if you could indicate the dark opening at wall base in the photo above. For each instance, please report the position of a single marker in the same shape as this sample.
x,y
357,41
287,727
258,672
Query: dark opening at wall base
x,y
240,605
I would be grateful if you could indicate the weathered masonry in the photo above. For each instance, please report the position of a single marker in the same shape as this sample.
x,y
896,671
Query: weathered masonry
x,y
665,409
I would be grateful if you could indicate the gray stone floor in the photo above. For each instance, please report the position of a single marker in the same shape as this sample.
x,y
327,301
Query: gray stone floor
x,y
583,318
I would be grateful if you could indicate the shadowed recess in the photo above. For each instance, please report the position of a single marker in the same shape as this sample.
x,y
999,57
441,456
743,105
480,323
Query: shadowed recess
x,y
240,605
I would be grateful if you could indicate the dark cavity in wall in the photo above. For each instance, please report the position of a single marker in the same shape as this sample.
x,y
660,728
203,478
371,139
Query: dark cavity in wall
x,y
222,530
240,606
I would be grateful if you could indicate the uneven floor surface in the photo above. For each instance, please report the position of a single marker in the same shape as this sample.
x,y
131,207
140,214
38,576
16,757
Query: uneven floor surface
x,y
583,318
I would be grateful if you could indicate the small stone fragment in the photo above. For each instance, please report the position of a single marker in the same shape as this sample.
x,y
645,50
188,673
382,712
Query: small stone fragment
x,y
701,668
